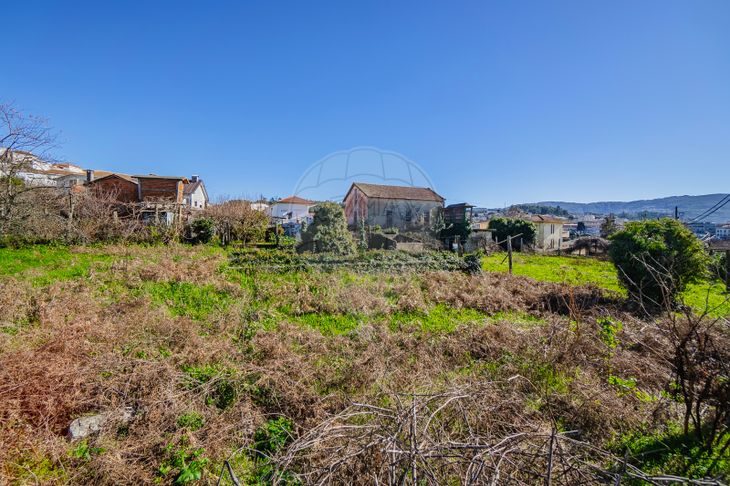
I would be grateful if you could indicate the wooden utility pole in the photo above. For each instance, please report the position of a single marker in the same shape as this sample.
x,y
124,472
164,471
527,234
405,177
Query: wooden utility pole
x,y
71,208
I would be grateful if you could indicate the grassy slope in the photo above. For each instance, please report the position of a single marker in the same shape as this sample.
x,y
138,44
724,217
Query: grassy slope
x,y
577,270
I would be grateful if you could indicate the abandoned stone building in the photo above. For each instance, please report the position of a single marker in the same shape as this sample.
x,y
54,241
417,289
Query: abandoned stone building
x,y
404,207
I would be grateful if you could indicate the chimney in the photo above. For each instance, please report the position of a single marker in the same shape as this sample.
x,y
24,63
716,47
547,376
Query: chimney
x,y
194,178
89,175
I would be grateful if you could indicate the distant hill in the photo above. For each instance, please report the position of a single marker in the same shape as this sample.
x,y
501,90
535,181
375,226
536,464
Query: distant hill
x,y
689,206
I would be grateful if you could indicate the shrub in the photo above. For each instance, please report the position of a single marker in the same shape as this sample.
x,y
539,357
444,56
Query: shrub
x,y
328,232
201,230
505,227
271,437
473,262
656,259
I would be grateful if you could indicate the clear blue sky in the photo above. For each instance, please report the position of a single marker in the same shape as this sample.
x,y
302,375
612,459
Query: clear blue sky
x,y
498,102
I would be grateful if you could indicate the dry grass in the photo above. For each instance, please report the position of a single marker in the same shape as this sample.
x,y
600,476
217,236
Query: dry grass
x,y
101,343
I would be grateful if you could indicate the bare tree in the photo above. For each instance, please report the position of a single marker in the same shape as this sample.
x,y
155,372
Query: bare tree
x,y
100,216
24,141
236,220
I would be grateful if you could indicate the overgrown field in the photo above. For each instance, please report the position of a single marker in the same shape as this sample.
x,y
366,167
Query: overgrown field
x,y
339,376
709,295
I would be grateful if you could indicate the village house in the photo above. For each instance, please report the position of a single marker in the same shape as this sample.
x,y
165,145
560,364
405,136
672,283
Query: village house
x,y
194,194
722,231
293,209
549,231
161,197
120,187
402,207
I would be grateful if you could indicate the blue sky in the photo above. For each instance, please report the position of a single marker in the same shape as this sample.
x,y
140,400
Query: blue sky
x,y
497,102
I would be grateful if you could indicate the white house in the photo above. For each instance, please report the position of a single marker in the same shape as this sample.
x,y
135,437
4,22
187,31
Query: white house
x,y
722,232
292,209
194,194
549,231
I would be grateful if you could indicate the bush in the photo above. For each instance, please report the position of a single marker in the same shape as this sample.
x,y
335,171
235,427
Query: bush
x,y
328,232
656,259
505,227
201,230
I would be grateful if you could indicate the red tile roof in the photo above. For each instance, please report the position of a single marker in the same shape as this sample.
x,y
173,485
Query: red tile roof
x,y
296,200
540,218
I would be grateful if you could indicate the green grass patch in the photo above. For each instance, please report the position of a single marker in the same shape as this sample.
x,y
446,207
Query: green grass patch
x,y
37,469
191,420
187,299
674,452
574,270
44,264
577,270
440,319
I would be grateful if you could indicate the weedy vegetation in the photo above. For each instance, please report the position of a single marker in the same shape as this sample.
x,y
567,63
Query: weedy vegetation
x,y
351,369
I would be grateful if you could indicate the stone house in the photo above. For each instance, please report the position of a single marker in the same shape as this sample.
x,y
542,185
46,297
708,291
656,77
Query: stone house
x,y
404,207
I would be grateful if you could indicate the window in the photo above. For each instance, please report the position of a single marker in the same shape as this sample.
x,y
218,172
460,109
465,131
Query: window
x,y
389,218
409,214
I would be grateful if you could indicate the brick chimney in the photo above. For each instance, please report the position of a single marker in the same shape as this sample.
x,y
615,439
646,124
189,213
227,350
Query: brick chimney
x,y
194,178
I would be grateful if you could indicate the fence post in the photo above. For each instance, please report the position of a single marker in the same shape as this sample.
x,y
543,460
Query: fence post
x,y
548,478
509,253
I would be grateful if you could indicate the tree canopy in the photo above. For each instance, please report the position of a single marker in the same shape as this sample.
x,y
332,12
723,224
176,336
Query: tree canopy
x,y
506,227
656,259
328,232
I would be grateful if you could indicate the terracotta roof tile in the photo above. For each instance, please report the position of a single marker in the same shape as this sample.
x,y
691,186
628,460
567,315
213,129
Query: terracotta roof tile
x,y
295,200
398,192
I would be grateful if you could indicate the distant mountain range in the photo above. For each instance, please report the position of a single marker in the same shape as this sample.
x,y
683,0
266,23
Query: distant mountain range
x,y
689,207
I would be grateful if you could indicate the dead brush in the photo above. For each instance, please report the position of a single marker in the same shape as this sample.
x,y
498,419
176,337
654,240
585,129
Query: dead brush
x,y
475,434
19,307
409,296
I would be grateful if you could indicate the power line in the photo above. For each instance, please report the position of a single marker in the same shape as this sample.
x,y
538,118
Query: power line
x,y
713,209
